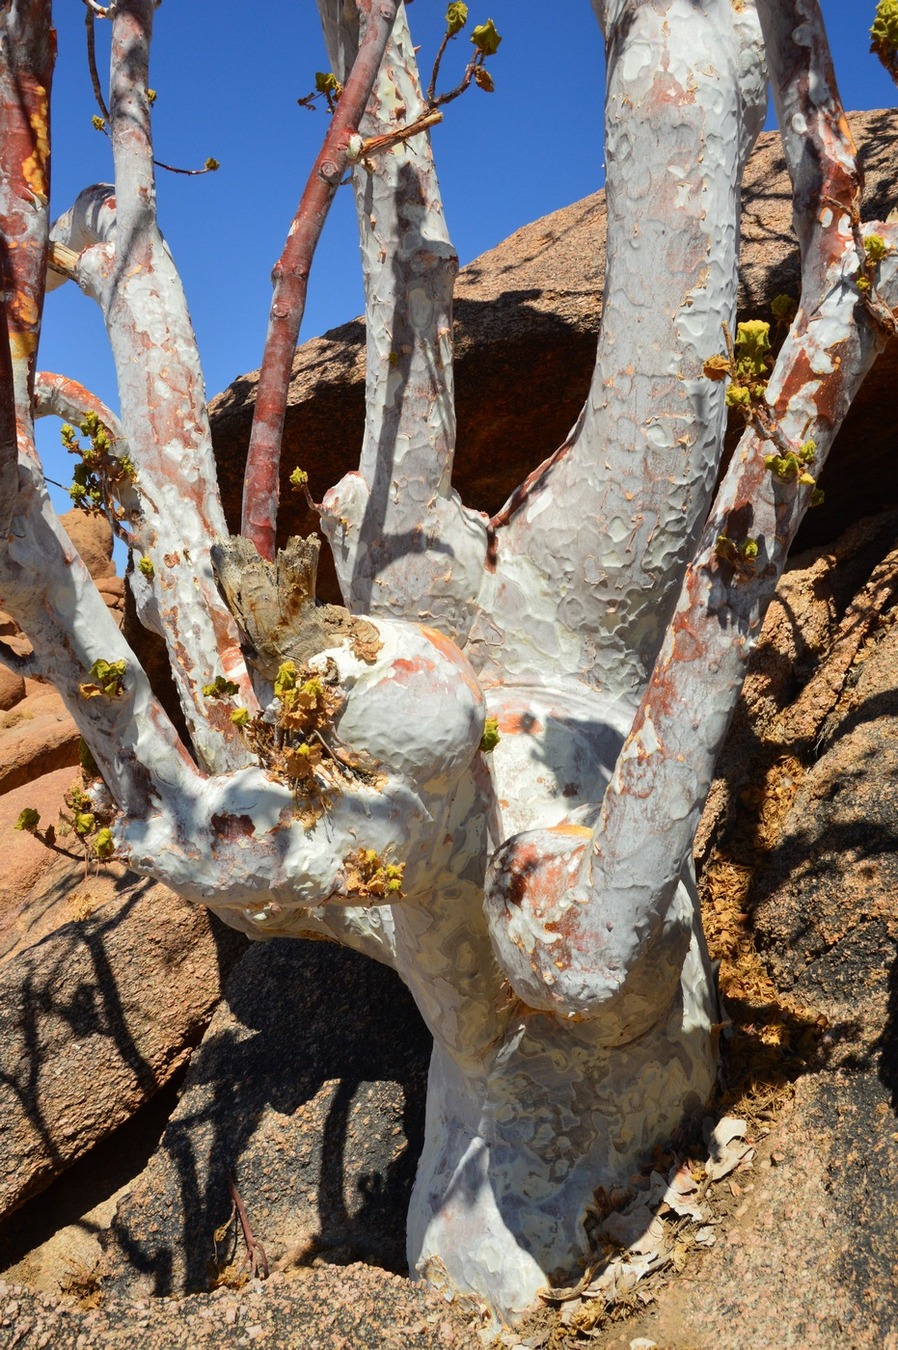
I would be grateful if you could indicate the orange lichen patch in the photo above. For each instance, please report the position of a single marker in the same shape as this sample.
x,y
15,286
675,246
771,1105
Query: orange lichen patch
x,y
577,831
34,168
24,311
405,667
769,800
447,648
774,1036
519,724
22,344
845,132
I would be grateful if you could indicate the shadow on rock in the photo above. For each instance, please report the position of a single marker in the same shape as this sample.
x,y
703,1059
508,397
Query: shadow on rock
x,y
309,1089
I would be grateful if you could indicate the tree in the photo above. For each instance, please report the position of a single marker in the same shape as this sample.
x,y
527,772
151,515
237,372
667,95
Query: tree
x,y
488,769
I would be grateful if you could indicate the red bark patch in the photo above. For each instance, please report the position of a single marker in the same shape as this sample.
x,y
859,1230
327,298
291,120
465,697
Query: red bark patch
x,y
232,828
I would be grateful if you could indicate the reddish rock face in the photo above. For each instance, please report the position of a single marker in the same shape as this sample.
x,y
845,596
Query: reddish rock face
x,y
106,980
526,319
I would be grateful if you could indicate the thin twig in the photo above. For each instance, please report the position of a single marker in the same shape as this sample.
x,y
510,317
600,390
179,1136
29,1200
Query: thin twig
x,y
459,88
255,1252
90,12
432,87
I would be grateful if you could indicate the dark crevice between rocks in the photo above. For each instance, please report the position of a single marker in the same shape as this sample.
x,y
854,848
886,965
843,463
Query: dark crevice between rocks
x,y
96,1176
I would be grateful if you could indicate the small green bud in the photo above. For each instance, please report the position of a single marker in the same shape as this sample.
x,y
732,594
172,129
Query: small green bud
x,y
211,165
875,247
29,819
326,82
737,396
490,738
146,566
299,478
486,39
84,823
285,680
151,96
240,717
783,308
749,550
753,335
456,17
107,677
98,123
220,688
104,844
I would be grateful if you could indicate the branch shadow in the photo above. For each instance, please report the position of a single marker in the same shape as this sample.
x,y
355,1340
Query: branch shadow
x,y
67,990
295,1091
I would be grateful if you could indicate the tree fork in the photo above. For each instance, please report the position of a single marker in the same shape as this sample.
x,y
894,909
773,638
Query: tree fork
x,y
261,484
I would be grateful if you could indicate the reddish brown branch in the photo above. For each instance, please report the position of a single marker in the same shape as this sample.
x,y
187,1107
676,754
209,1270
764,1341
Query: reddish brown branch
x,y
291,275
27,55
8,439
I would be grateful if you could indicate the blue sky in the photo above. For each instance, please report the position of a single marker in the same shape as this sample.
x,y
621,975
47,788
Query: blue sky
x,y
228,76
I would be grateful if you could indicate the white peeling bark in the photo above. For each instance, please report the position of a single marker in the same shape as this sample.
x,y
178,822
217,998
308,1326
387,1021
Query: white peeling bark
x,y
126,267
592,557
547,924
402,541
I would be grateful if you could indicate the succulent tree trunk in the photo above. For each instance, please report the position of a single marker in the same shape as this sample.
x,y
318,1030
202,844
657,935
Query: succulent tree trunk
x,y
537,900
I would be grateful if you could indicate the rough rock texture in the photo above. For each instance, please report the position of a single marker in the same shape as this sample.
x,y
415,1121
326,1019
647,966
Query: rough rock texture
x,y
308,1087
805,800
802,804
106,981
527,315
96,1016
37,736
349,1308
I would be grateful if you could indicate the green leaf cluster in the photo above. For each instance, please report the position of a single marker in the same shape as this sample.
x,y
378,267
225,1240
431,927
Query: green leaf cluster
x,y
106,679
100,471
792,466
220,688
875,248
884,36
741,556
783,309
104,844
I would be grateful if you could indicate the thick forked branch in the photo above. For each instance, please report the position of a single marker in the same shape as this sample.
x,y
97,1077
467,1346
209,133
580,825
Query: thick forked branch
x,y
61,396
628,870
125,265
598,543
402,542
291,276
